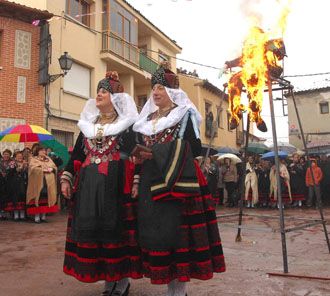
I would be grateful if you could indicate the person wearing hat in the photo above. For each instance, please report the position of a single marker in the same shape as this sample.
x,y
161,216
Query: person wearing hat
x,y
101,239
177,225
41,195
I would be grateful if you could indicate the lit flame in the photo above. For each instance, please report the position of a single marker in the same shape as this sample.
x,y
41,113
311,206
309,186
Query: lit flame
x,y
254,71
261,58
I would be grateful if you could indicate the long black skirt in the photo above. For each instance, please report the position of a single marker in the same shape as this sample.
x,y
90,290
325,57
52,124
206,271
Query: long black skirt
x,y
16,188
179,238
101,241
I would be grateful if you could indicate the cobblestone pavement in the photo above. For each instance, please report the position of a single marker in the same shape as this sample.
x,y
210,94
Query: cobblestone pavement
x,y
31,257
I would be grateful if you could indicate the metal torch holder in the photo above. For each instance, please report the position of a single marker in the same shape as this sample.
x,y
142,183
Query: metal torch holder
x,y
276,84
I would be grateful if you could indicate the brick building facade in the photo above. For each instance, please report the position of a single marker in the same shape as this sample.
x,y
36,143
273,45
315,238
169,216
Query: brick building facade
x,y
21,97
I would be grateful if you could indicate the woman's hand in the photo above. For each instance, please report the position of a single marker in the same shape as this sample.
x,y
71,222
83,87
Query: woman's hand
x,y
66,189
135,190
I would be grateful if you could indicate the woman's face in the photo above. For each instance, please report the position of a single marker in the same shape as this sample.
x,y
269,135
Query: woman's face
x,y
103,102
295,158
27,152
19,157
160,96
6,156
42,152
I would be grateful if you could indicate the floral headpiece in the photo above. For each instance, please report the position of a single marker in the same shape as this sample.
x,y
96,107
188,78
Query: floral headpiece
x,y
165,77
111,83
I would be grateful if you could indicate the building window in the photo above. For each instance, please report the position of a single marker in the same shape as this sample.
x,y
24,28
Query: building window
x,y
220,117
208,119
64,137
79,10
78,81
228,121
324,108
120,31
207,108
162,57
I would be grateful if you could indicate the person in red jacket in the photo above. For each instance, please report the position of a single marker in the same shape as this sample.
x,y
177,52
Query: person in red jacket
x,y
318,175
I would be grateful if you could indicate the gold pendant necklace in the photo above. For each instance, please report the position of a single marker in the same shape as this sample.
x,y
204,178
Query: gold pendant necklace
x,y
159,114
105,118
108,115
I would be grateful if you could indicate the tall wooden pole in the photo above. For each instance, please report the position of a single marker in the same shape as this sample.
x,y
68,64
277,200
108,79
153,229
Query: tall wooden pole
x,y
277,164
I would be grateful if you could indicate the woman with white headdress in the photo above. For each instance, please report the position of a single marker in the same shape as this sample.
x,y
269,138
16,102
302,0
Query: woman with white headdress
x,y
177,225
101,238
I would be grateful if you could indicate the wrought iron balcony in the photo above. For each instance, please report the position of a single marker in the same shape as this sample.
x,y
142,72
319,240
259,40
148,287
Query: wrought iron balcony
x,y
128,52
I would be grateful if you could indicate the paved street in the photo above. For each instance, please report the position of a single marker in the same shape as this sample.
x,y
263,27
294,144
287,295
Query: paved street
x,y
31,260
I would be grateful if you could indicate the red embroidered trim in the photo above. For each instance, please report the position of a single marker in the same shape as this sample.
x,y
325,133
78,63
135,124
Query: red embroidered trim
x,y
112,151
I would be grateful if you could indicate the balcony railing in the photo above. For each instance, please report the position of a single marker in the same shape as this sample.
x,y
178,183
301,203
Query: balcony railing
x,y
118,46
147,63
128,52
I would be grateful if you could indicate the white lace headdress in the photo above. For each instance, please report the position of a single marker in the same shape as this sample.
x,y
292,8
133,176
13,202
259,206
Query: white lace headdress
x,y
178,97
127,114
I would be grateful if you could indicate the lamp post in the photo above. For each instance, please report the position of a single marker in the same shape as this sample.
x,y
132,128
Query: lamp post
x,y
66,62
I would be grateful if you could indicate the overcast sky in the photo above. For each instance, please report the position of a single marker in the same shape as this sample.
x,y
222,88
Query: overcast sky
x,y
212,31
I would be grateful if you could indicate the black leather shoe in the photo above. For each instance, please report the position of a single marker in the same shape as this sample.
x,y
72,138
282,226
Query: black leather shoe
x,y
118,293
107,292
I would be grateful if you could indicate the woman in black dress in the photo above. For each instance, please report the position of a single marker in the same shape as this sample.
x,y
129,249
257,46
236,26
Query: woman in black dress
x,y
101,239
17,185
178,231
5,163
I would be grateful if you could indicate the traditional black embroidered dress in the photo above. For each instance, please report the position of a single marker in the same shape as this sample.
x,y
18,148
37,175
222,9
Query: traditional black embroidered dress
x,y
177,224
101,236
263,185
16,186
297,181
4,194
